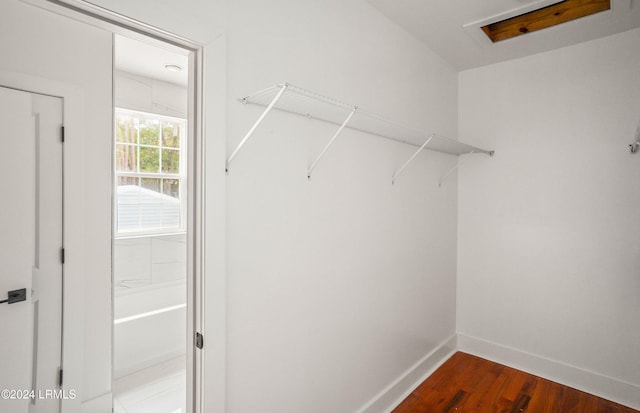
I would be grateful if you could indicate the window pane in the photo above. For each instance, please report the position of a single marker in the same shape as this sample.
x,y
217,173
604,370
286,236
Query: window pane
x,y
143,207
149,132
171,135
150,204
126,129
171,203
126,159
149,159
127,180
152,184
128,200
171,161
171,187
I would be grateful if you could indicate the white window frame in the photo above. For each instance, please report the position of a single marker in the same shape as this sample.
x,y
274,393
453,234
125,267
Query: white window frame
x,y
181,176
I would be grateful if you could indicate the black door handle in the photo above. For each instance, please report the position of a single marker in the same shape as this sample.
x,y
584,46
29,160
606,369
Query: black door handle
x,y
15,296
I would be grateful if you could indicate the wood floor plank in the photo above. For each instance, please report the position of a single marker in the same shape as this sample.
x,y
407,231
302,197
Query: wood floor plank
x,y
570,399
516,381
483,392
545,397
467,383
411,404
521,403
455,402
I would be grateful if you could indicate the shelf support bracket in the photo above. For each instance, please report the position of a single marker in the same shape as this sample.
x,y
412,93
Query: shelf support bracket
x,y
326,148
402,168
255,126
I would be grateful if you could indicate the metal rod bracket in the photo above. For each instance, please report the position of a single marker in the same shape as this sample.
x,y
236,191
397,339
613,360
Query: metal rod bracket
x,y
244,140
402,168
333,138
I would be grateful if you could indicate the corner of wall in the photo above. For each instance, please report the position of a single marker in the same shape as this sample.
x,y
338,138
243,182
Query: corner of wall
x,y
398,390
572,376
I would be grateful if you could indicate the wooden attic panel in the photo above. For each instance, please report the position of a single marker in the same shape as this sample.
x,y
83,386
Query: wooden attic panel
x,y
546,17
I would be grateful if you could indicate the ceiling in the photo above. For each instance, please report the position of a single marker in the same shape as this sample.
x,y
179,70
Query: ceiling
x,y
451,28
149,60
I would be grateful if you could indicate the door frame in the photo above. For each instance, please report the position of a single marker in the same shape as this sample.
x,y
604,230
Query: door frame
x,y
73,114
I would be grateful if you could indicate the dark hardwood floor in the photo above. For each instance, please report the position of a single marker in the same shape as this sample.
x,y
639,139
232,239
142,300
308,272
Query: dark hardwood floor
x,y
467,383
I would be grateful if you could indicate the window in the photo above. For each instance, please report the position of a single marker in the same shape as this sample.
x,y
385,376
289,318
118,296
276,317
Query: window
x,y
149,170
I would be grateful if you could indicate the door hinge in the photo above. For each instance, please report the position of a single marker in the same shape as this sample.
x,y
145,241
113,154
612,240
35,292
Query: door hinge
x,y
199,341
60,378
62,255
62,134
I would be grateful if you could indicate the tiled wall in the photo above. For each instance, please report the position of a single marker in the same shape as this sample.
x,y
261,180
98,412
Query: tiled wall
x,y
146,261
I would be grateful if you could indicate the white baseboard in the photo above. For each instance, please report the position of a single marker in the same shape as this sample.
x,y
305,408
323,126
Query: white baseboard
x,y
399,389
599,385
100,404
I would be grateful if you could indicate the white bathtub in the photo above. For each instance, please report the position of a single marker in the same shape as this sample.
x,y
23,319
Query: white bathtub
x,y
149,326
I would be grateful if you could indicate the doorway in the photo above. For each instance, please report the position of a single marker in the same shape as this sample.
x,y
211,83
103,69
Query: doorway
x,y
31,248
81,38
151,269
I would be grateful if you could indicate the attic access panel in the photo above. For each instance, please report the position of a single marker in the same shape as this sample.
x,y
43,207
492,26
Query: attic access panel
x,y
543,18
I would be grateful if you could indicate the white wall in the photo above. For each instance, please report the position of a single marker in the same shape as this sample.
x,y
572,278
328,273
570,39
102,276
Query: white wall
x,y
549,235
42,50
339,285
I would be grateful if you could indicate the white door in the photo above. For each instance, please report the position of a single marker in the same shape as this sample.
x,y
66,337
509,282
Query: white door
x,y
30,251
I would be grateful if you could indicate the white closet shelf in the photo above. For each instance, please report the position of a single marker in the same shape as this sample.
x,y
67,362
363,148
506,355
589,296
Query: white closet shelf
x,y
289,98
